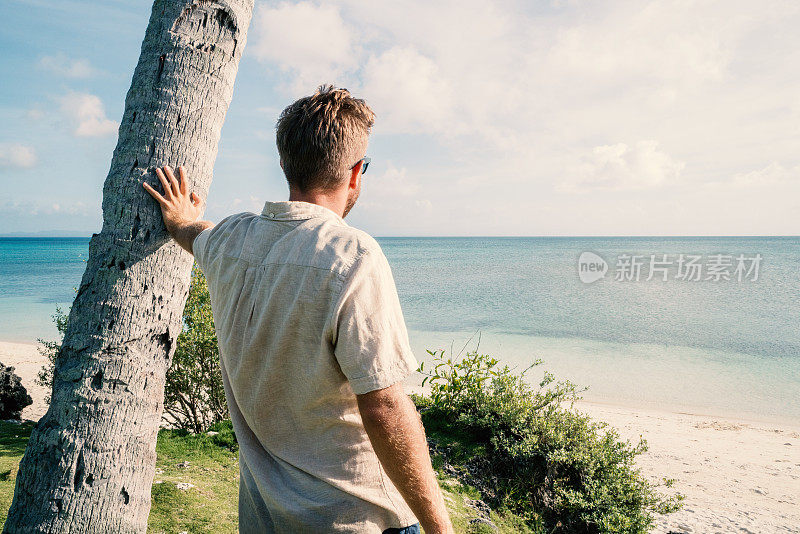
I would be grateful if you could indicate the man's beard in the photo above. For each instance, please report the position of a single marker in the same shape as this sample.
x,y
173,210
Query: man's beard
x,y
351,201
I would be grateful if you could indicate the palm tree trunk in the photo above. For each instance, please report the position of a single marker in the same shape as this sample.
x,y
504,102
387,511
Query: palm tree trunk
x,y
90,460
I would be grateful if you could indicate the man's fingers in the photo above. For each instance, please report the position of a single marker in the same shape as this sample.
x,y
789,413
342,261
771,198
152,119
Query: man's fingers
x,y
176,189
182,177
153,193
196,200
164,184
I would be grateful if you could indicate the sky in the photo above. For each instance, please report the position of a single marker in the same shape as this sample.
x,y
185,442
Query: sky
x,y
493,117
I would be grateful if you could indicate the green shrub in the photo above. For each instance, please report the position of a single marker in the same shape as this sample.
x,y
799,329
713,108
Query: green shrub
x,y
194,398
50,350
530,452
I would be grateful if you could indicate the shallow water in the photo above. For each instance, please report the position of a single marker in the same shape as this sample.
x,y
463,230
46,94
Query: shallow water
x,y
726,347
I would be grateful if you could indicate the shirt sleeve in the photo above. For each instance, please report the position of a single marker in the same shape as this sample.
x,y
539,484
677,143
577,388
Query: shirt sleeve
x,y
207,243
200,247
371,342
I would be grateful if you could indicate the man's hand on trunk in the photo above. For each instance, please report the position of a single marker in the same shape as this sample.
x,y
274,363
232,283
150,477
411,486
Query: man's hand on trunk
x,y
180,208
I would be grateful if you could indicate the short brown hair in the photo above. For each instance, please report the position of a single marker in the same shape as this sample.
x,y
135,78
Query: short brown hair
x,y
319,137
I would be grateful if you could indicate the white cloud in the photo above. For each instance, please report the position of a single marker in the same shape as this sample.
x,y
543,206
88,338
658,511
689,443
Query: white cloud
x,y
394,183
62,65
270,111
16,156
310,42
522,103
394,195
392,191
407,92
670,42
772,174
87,115
424,204
218,208
499,71
621,166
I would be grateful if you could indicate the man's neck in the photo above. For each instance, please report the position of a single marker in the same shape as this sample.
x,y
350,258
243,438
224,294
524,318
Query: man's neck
x,y
334,201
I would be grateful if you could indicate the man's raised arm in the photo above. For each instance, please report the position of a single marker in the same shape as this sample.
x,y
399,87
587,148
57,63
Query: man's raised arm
x,y
180,209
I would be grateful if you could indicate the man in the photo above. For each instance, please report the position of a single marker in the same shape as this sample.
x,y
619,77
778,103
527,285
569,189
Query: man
x,y
312,340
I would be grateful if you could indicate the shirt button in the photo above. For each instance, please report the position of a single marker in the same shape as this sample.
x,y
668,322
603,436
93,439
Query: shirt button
x,y
271,215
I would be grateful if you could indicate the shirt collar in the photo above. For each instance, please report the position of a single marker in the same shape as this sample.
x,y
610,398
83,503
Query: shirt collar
x,y
296,210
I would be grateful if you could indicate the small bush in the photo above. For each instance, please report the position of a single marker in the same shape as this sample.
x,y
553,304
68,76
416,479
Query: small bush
x,y
529,452
50,350
194,397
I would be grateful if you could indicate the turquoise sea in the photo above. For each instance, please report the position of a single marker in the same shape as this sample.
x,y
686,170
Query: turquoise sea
x,y
701,343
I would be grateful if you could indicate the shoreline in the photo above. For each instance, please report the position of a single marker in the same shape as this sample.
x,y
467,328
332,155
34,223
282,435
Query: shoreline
x,y
672,377
732,418
30,359
737,474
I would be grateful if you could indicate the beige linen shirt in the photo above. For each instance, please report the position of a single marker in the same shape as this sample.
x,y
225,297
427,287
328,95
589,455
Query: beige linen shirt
x,y
307,316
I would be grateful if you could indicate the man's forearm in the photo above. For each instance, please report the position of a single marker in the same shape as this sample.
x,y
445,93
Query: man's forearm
x,y
398,437
184,234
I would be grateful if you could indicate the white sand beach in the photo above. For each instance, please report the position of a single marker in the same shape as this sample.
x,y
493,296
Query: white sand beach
x,y
737,475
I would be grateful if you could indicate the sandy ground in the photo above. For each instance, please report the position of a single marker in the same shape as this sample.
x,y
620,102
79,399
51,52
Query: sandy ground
x,y
737,476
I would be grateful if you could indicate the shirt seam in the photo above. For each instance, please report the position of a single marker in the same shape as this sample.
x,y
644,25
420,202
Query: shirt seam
x,y
327,214
338,299
253,264
338,274
213,230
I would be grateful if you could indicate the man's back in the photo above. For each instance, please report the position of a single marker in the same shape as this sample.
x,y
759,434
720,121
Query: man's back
x,y
307,315
312,340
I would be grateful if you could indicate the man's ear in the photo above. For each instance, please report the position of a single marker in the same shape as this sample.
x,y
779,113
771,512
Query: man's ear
x,y
355,175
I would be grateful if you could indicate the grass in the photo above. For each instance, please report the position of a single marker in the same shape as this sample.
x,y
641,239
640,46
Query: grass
x,y
455,494
213,469
13,439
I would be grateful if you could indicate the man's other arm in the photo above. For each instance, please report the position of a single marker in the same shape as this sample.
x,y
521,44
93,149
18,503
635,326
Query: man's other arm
x,y
180,209
398,437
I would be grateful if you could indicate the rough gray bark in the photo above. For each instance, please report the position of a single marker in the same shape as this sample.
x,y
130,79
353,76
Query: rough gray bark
x,y
90,461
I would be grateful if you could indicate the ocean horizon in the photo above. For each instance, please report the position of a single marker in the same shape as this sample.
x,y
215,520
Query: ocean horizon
x,y
649,330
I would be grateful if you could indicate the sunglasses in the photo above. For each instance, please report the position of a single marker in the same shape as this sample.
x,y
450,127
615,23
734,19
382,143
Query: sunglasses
x,y
363,167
